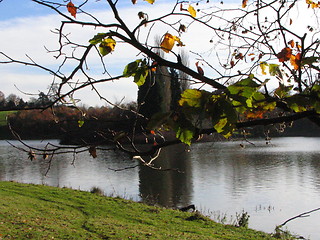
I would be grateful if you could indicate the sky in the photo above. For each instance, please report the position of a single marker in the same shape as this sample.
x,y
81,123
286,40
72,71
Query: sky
x,y
26,31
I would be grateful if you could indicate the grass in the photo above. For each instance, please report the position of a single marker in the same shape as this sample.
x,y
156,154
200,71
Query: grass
x,y
3,117
42,212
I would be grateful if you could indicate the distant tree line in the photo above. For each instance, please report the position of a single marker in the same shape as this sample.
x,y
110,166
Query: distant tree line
x,y
12,101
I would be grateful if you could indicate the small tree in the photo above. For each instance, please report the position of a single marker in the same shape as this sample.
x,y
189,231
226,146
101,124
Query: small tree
x,y
250,59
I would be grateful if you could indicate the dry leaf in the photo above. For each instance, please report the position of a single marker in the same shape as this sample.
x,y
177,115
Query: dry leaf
x,y
244,3
72,9
199,69
284,55
295,61
291,43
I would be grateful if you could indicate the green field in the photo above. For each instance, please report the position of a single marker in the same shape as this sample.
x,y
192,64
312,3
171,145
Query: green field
x,y
41,212
3,116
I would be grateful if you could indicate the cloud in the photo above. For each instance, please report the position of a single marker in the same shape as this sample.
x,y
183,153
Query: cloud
x,y
33,35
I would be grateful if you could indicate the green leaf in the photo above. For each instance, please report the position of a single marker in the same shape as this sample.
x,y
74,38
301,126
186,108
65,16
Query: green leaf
x,y
97,38
107,46
185,135
191,98
274,70
297,103
131,68
138,69
141,75
309,60
80,123
282,91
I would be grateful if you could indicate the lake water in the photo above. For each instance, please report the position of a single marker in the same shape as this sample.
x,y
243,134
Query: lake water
x,y
272,182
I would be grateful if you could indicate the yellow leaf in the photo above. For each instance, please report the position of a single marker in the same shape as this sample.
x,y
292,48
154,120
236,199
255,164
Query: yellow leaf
x,y
150,1
167,42
263,66
192,11
107,46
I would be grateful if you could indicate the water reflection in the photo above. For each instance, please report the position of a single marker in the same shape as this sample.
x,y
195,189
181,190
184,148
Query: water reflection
x,y
271,182
168,188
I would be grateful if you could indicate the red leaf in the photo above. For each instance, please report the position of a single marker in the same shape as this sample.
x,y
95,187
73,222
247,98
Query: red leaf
x,y
72,9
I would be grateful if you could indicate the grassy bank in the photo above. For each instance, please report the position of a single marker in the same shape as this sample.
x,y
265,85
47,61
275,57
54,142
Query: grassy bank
x,y
41,212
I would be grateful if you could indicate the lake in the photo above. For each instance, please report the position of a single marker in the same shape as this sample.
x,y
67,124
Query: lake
x,y
272,182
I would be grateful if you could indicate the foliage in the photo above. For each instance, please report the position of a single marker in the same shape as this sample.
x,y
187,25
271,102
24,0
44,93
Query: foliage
x,y
42,212
265,68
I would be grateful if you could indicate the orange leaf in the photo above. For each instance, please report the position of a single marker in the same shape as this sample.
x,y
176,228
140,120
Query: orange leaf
x,y
244,3
291,43
72,9
295,61
290,21
284,55
256,114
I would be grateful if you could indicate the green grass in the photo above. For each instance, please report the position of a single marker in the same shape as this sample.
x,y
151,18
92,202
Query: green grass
x,y
42,212
3,116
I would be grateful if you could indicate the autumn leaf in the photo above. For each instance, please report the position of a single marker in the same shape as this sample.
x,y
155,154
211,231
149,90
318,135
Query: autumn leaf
x,y
192,11
182,28
244,3
284,55
107,46
291,43
199,69
239,56
169,41
255,114
134,1
296,61
263,66
312,4
72,9
150,1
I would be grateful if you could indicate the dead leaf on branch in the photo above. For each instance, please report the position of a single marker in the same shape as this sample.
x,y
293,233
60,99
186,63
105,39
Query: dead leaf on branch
x,y
72,9
244,3
295,61
169,41
284,55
